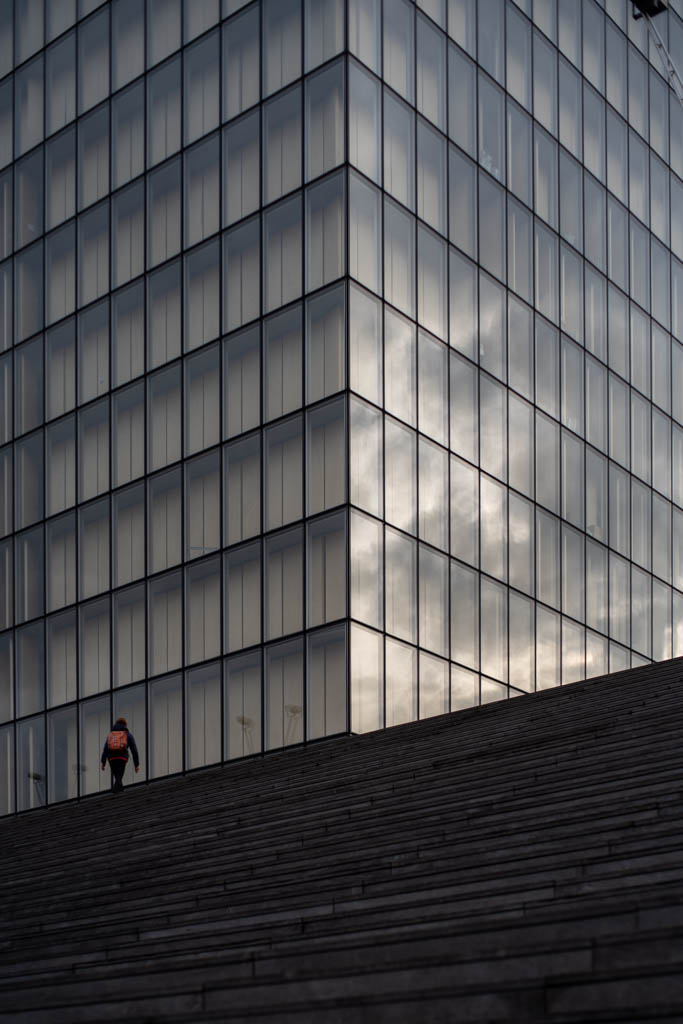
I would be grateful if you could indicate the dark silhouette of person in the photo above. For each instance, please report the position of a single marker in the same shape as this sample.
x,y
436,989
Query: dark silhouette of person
x,y
116,746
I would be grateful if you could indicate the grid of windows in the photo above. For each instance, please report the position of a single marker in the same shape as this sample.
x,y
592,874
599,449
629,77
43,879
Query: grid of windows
x,y
516,449
172,374
341,367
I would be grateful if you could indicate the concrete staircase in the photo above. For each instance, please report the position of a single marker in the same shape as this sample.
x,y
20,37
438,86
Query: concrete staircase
x,y
521,861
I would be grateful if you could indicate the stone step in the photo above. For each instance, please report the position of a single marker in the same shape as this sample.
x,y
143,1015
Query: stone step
x,y
517,861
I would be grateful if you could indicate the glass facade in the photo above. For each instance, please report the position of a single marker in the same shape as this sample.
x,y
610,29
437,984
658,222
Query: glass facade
x,y
341,368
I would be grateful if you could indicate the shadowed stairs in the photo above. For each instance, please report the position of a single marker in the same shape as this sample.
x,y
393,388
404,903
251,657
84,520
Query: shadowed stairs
x,y
520,861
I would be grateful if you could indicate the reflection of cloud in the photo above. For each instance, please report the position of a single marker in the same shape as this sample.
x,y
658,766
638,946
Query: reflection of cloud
x,y
365,458
596,655
547,649
492,428
522,647
433,686
678,639
366,679
493,518
400,476
619,599
433,494
401,683
572,652
491,327
366,570
401,584
463,291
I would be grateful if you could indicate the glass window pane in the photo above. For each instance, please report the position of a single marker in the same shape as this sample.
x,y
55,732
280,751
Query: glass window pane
x,y
163,315
241,376
324,30
202,506
95,650
128,135
399,47
163,35
401,683
326,561
325,325
324,119
283,470
199,16
492,226
202,390
28,292
364,122
367,680
494,630
163,112
242,493
203,715
202,611
284,583
61,466
242,590
166,726
201,96
62,756
242,704
241,277
128,562
325,232
282,256
284,694
365,457
31,764
282,144
365,347
127,340
202,274
93,352
400,454
241,168
28,106
326,686
28,197
399,150
367,565
93,242
60,178
399,258
128,454
165,626
30,669
164,530
433,598
129,636
201,191
128,234
163,411
241,69
401,585
93,60
282,370
281,33
326,447
364,18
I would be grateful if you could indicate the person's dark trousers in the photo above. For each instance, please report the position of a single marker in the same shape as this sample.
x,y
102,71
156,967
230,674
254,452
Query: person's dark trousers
x,y
118,767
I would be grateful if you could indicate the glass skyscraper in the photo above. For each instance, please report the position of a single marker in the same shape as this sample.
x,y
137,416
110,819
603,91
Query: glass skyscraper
x,y
341,368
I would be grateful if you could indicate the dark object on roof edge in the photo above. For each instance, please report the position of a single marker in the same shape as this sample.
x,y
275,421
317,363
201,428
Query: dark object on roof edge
x,y
651,7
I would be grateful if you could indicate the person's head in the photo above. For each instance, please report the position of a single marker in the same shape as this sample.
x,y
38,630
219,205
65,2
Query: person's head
x,y
121,721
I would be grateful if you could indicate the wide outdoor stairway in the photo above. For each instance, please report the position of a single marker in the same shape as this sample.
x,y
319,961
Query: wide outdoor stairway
x,y
521,861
